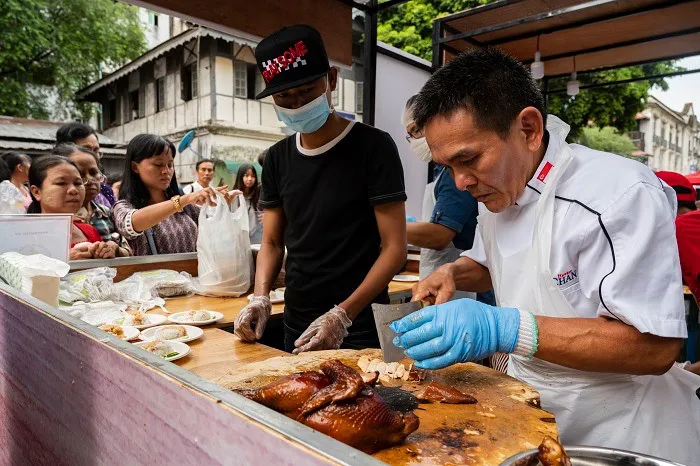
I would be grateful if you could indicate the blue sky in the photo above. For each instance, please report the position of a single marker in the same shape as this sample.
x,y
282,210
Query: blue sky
x,y
682,89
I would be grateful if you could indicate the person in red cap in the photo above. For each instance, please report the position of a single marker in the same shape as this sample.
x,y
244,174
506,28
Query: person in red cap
x,y
685,192
687,236
334,197
687,228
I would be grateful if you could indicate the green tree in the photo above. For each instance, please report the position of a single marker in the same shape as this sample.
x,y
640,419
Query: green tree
x,y
409,27
615,105
607,139
51,48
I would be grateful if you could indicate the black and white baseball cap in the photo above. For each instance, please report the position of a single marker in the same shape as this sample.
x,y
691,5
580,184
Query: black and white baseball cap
x,y
291,57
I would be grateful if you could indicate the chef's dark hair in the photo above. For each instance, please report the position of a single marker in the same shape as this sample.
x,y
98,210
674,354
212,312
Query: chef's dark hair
x,y
493,86
71,132
38,172
142,147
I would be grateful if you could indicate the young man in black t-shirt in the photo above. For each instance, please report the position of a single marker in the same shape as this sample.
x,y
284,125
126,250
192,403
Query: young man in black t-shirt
x,y
334,196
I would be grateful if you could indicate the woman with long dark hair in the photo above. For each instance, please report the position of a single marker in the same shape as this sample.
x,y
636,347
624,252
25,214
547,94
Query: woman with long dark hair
x,y
151,214
58,188
14,195
247,182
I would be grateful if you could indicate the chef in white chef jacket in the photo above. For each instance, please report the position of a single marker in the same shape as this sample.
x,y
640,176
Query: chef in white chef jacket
x,y
579,246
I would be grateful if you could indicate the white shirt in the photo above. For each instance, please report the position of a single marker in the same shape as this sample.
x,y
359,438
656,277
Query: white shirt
x,y
11,199
194,187
614,250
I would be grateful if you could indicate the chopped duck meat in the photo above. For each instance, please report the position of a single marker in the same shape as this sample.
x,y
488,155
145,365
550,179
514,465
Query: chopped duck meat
x,y
551,453
436,393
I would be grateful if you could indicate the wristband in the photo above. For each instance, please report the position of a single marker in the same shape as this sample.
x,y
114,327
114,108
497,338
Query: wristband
x,y
528,335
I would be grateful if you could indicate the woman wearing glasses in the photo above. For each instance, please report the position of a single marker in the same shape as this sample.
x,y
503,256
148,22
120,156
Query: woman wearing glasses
x,y
93,213
57,187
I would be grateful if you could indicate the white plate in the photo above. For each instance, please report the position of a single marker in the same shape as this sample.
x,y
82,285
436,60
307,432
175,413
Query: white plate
x,y
178,318
406,278
152,321
278,297
130,333
181,348
192,333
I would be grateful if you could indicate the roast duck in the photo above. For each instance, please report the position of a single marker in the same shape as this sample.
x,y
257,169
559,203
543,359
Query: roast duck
x,y
338,402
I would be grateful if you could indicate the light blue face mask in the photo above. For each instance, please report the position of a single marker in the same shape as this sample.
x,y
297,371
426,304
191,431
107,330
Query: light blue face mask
x,y
306,119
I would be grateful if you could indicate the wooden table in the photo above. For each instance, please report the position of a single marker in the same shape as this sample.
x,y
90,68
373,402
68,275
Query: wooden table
x,y
230,307
219,351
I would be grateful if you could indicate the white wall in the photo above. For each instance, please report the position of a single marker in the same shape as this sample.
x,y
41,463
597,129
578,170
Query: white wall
x,y
396,82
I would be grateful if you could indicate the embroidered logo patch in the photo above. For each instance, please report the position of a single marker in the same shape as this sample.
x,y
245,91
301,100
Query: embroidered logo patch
x,y
291,57
569,277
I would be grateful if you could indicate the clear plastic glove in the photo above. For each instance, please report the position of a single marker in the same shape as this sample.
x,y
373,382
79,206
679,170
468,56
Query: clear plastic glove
x,y
326,332
251,321
458,331
411,219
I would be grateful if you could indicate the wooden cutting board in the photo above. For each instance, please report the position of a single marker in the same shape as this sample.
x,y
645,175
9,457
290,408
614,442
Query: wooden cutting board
x,y
505,421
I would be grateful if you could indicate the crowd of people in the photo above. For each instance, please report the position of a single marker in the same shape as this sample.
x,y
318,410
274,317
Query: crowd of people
x,y
560,252
140,211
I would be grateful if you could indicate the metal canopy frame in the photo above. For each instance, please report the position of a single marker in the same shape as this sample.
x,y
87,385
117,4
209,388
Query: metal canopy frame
x,y
446,37
371,9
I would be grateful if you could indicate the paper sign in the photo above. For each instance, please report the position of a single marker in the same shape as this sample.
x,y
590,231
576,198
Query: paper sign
x,y
36,234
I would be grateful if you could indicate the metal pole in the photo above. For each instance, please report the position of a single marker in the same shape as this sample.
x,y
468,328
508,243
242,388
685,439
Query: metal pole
x,y
370,63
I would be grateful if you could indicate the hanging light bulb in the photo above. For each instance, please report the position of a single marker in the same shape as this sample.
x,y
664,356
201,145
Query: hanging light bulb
x,y
537,66
572,87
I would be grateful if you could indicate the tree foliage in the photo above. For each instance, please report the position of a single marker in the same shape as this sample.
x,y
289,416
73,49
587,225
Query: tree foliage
x,y
615,105
409,27
49,49
607,139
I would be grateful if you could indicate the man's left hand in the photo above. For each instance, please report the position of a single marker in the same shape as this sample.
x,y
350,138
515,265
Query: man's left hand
x,y
326,332
458,331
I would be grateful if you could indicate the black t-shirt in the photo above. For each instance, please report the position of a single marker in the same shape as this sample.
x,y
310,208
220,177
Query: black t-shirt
x,y
331,232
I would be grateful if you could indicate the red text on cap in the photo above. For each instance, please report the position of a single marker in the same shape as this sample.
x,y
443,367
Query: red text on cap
x,y
289,57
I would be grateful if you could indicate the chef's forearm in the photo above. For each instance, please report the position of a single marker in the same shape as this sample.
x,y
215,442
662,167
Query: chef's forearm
x,y
469,275
390,261
429,235
604,345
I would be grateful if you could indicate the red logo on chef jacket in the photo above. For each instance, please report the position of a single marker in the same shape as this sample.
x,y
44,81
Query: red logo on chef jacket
x,y
544,172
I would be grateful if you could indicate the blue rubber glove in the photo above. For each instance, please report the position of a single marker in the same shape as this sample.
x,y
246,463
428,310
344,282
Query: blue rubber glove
x,y
411,219
458,331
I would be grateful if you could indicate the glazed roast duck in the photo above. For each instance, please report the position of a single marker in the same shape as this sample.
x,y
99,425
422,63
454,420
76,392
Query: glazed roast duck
x,y
338,402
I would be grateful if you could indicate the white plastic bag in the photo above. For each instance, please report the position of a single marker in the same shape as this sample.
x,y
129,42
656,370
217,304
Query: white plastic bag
x,y
223,249
161,283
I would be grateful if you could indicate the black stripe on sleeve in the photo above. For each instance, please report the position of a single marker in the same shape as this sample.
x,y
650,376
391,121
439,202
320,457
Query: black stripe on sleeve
x,y
607,236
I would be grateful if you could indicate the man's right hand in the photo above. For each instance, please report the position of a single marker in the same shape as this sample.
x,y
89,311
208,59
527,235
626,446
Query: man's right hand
x,y
440,284
250,322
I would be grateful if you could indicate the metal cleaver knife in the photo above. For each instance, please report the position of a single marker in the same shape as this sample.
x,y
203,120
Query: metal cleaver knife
x,y
384,315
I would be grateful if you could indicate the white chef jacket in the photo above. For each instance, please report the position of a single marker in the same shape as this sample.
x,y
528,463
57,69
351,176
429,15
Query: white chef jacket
x,y
614,245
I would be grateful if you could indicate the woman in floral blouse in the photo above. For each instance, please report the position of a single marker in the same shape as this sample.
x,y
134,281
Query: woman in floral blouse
x,y
150,213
